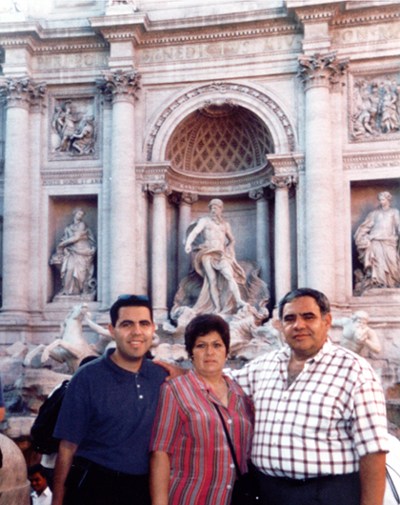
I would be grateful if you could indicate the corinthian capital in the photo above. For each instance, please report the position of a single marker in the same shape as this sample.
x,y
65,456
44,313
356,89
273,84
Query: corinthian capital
x,y
158,188
119,83
321,69
256,194
282,181
23,91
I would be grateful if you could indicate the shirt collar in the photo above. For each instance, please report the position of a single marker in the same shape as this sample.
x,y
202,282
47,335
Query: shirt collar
x,y
46,492
143,370
284,353
202,384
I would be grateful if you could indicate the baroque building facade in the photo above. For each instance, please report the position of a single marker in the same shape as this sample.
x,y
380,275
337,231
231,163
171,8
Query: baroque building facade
x,y
139,113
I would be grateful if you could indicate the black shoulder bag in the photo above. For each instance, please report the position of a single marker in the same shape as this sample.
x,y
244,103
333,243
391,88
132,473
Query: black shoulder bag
x,y
245,489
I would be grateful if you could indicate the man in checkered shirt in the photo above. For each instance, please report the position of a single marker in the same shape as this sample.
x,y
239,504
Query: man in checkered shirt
x,y
320,419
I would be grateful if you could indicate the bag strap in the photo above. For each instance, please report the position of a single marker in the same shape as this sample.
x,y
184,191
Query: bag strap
x,y
391,484
238,472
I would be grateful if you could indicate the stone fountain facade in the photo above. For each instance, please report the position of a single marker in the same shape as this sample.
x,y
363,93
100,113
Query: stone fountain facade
x,y
139,113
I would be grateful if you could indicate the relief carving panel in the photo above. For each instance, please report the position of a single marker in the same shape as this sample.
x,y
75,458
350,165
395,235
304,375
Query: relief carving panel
x,y
375,107
74,128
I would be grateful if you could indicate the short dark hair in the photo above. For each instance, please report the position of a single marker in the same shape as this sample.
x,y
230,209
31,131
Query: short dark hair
x,y
203,325
321,300
129,301
38,468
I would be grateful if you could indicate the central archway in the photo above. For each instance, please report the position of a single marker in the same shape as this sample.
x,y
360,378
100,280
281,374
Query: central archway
x,y
220,138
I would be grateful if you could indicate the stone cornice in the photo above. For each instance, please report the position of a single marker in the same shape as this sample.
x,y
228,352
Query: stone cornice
x,y
371,161
368,16
216,184
138,28
60,48
18,29
14,41
36,46
146,34
71,176
316,13
212,35
286,164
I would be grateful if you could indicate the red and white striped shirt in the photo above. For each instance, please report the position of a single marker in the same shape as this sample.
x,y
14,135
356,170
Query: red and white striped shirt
x,y
188,428
331,415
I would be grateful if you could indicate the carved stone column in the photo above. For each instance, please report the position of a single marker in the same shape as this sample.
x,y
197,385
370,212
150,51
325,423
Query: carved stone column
x,y
120,87
262,238
318,72
159,266
17,254
185,207
283,263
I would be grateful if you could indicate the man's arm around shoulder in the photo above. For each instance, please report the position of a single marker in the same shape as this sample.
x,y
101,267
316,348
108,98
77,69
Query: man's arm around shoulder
x,y
373,478
65,455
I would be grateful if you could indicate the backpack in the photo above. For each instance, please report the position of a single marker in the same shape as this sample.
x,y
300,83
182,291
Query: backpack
x,y
42,429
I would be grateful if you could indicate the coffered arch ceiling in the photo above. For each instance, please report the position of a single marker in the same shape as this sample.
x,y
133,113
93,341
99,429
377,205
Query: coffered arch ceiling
x,y
220,138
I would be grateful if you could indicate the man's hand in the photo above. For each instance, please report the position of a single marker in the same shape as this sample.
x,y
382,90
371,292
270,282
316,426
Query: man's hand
x,y
173,370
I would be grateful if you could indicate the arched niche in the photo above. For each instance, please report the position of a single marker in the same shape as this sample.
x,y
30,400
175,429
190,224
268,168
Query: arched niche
x,y
265,107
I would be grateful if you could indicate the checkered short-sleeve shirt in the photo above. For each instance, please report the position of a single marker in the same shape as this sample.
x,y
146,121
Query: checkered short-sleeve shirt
x,y
331,415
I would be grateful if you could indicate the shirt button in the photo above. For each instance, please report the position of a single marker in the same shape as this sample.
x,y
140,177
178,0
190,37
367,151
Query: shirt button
x,y
229,421
140,397
228,486
232,465
138,385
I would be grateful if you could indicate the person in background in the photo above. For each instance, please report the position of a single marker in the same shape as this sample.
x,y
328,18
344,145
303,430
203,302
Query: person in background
x,y
41,493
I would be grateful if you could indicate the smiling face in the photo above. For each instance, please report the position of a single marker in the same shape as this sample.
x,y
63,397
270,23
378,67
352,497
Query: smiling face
x,y
305,329
38,483
133,335
209,355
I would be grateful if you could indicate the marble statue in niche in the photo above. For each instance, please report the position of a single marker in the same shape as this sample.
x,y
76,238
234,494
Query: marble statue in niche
x,y
75,129
214,260
356,334
377,242
219,283
377,108
75,258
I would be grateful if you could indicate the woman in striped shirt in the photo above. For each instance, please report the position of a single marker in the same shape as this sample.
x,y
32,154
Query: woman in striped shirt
x,y
191,463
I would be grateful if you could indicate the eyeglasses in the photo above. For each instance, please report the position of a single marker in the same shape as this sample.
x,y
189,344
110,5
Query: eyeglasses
x,y
134,298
